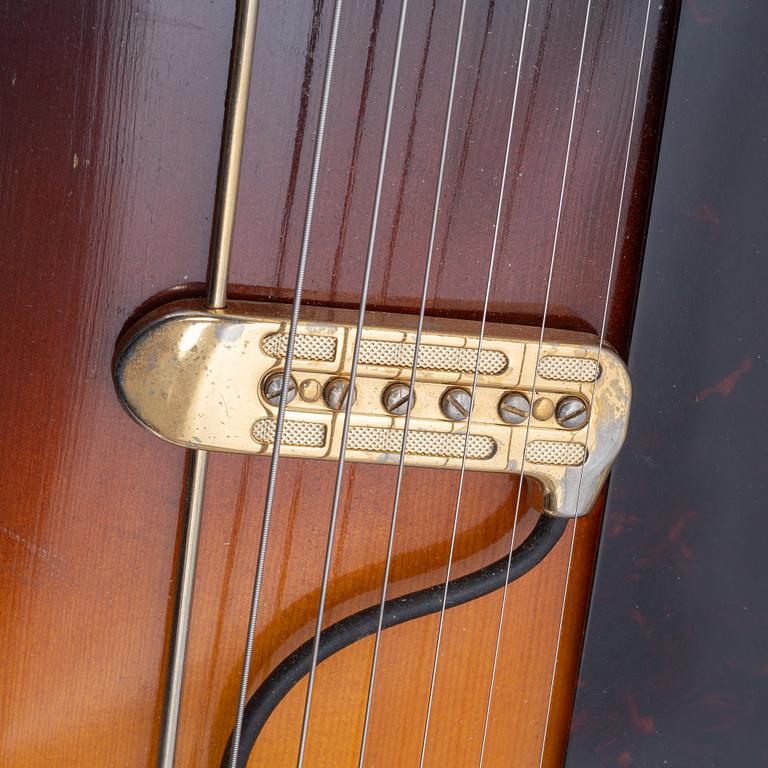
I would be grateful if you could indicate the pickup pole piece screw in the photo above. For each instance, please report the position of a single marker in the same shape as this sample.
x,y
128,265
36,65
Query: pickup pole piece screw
x,y
335,393
395,398
514,408
572,412
456,403
273,385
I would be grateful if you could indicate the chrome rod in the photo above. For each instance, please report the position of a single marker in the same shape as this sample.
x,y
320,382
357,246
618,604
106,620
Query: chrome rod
x,y
233,137
193,509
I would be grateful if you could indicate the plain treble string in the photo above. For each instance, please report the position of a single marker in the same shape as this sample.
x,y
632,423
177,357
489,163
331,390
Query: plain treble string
x,y
412,382
603,327
296,307
352,378
489,281
550,275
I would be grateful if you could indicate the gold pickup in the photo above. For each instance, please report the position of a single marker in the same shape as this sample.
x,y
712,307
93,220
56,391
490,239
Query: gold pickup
x,y
210,379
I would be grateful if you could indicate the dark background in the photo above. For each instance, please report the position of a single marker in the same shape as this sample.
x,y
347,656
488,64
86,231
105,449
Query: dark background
x,y
675,665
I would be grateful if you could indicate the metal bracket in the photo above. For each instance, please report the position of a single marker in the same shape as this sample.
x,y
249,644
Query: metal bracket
x,y
201,378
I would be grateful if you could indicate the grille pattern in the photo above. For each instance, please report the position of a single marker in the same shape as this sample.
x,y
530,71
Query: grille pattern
x,y
434,357
554,452
561,368
308,346
300,433
449,445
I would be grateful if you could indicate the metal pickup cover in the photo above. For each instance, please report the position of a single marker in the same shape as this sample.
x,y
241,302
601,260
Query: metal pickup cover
x,y
201,379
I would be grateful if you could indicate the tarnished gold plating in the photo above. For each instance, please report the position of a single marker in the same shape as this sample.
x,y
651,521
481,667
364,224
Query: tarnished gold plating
x,y
193,376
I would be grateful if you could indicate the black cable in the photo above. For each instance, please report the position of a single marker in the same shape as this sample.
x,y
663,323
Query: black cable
x,y
545,534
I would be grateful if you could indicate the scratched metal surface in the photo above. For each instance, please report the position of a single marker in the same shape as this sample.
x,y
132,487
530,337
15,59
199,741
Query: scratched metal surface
x,y
675,667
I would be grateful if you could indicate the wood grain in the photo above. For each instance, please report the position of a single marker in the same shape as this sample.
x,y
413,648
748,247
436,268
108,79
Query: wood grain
x,y
109,170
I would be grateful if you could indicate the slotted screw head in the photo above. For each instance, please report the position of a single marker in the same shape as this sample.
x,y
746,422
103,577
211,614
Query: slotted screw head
x,y
572,412
456,403
395,398
273,385
514,408
335,393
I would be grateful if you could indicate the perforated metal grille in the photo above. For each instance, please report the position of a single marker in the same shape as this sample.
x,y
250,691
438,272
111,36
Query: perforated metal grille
x,y
448,445
554,452
299,433
561,368
434,357
308,346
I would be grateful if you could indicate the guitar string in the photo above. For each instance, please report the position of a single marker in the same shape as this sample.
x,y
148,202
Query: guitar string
x,y
281,410
603,327
481,335
352,378
275,459
547,296
412,381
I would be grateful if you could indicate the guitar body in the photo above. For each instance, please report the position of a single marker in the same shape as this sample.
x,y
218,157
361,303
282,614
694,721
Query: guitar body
x,y
674,663
109,170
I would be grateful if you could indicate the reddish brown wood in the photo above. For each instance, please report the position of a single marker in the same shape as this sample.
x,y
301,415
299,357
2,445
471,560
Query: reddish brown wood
x,y
108,169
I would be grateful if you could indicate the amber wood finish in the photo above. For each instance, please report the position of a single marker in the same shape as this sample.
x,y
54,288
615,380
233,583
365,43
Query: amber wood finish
x,y
112,117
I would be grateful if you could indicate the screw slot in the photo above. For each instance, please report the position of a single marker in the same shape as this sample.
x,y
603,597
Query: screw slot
x,y
572,412
335,393
456,404
272,385
514,408
394,398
